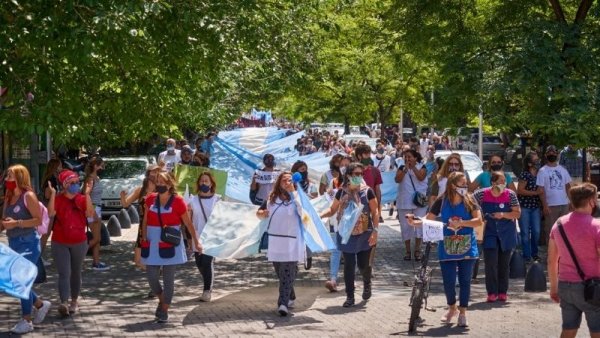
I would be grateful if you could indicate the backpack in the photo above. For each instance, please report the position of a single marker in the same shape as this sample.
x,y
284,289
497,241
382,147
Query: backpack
x,y
42,229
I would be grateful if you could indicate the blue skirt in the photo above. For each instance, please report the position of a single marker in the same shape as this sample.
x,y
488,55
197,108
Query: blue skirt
x,y
356,243
165,256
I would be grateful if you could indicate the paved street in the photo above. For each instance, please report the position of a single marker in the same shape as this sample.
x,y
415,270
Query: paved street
x,y
113,302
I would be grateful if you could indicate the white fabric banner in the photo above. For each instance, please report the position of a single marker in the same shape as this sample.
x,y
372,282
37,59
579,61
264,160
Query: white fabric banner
x,y
433,231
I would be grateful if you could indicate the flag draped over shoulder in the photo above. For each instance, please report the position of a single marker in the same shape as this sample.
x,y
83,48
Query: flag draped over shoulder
x,y
17,274
186,176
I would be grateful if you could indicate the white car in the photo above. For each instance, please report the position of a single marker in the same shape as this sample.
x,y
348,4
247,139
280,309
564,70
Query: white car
x,y
372,142
121,173
472,163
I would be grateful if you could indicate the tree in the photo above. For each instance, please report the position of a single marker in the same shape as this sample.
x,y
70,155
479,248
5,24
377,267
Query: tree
x,y
529,64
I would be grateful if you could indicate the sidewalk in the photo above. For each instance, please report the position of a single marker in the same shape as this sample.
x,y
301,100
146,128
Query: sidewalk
x,y
113,302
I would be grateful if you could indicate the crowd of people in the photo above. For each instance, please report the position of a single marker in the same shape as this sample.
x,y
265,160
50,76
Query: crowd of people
x,y
480,216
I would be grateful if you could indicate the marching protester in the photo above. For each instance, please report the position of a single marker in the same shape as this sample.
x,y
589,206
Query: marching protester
x,y
286,244
457,252
71,210
529,199
411,199
452,164
201,207
171,156
371,175
500,208
162,247
186,155
484,180
21,215
263,181
381,160
573,258
357,251
309,188
93,188
200,159
138,195
50,179
553,182
326,183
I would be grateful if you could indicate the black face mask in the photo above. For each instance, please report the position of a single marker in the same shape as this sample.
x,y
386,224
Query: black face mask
x,y
161,189
551,158
269,163
304,175
496,167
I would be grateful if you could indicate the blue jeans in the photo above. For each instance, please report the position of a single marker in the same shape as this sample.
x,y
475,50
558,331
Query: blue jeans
x,y
465,270
530,223
334,260
29,247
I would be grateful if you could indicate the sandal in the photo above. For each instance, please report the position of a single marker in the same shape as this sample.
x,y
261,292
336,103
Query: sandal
x,y
418,256
407,257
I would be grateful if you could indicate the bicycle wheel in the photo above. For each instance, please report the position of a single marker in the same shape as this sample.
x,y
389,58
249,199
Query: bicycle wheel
x,y
416,303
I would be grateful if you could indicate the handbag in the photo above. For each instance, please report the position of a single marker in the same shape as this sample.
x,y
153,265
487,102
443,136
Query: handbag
x,y
419,199
264,240
591,287
168,234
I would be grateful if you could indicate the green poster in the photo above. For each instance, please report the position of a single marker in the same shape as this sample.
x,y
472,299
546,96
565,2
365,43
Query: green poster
x,y
188,175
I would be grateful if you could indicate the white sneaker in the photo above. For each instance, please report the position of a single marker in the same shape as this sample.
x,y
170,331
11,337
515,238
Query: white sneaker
x,y
46,263
291,304
283,310
206,296
22,327
41,313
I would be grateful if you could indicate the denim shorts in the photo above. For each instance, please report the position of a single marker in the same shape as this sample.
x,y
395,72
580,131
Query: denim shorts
x,y
573,304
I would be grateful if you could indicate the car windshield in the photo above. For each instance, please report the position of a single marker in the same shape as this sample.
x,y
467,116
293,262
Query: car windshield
x,y
492,139
123,169
470,162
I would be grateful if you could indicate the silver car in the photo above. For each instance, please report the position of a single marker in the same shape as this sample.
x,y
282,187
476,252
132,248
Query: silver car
x,y
472,163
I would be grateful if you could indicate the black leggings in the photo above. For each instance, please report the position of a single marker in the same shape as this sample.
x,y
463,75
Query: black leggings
x,y
350,262
205,264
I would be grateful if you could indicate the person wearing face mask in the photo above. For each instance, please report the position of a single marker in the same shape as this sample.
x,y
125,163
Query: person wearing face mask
x,y
138,195
582,232
484,179
200,159
309,188
326,183
21,215
263,180
50,179
452,164
553,182
529,199
458,251
371,174
171,156
286,244
424,142
411,179
93,183
500,208
164,209
309,148
70,209
357,251
201,207
381,160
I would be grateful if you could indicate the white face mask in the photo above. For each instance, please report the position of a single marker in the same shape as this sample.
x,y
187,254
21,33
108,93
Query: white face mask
x,y
462,191
501,187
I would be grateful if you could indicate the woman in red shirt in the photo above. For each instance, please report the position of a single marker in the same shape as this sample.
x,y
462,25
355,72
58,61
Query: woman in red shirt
x,y
69,241
164,209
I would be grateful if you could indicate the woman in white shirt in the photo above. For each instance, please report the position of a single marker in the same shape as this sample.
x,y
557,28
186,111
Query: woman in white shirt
x,y
201,207
286,245
411,179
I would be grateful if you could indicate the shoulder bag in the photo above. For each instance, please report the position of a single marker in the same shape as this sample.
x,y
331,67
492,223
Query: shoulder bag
x,y
168,234
419,199
264,240
591,287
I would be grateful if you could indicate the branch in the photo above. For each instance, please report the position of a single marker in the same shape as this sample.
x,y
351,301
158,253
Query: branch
x,y
558,11
582,11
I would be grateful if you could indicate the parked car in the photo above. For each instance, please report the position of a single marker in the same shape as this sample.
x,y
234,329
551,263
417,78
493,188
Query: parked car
x,y
121,173
462,137
492,145
472,163
353,138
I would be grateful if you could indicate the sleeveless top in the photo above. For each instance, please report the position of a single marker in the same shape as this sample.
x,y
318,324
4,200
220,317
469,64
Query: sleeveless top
x,y
96,193
18,211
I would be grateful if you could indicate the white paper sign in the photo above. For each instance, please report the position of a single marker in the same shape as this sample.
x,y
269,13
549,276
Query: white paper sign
x,y
266,177
433,231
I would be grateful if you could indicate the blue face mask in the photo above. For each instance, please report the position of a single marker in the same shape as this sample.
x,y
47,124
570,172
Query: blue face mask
x,y
204,188
73,189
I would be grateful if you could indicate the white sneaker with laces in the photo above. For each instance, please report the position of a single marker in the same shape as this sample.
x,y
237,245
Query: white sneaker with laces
x,y
206,296
283,310
22,327
41,313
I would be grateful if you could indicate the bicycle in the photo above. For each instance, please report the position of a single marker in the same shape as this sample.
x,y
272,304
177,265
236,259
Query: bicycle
x,y
420,291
